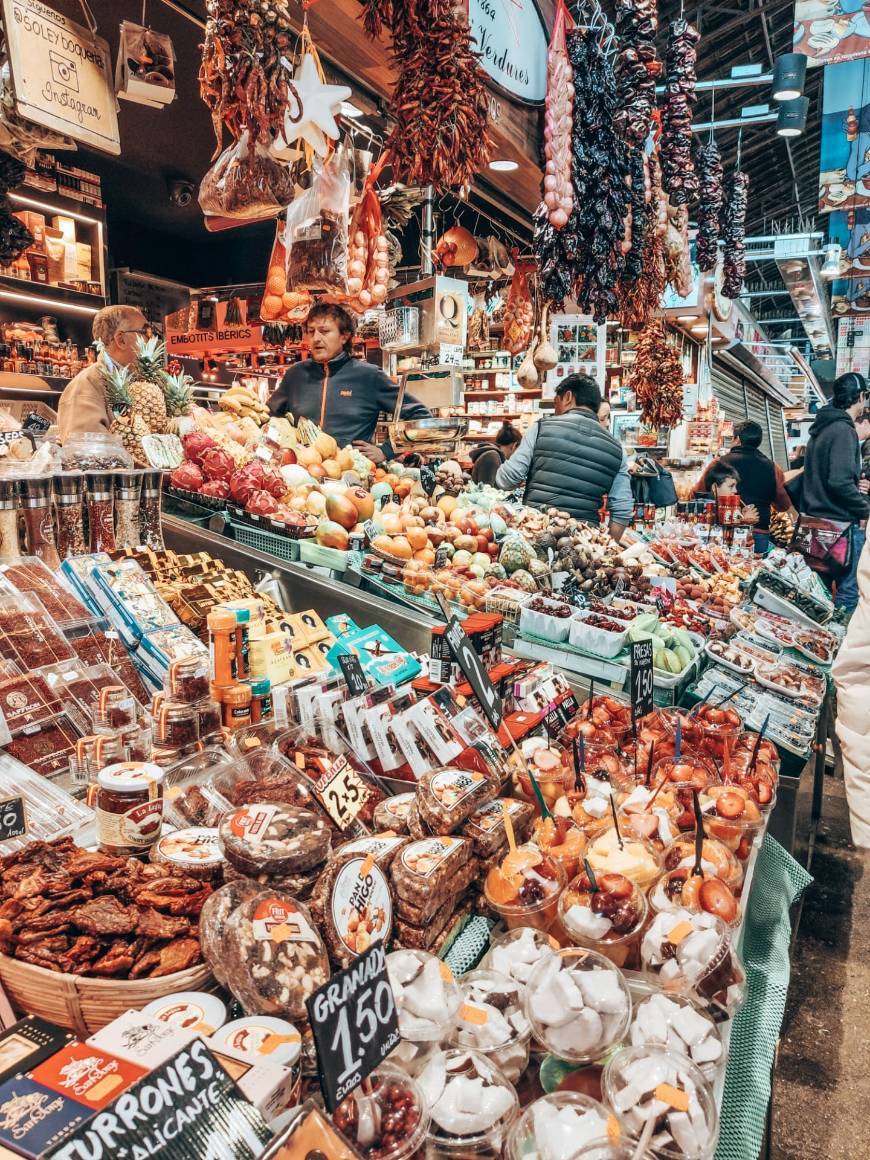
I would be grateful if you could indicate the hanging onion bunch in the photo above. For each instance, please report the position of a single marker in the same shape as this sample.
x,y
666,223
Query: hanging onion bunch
x,y
678,173
708,165
657,380
640,298
733,231
600,171
241,78
440,102
637,68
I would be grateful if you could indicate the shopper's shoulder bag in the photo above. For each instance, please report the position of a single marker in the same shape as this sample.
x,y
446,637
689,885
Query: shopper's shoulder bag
x,y
652,483
826,545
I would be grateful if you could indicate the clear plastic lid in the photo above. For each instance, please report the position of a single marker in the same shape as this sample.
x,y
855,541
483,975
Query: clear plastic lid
x,y
31,575
558,1126
274,838
637,859
492,1021
427,996
386,1118
578,1003
94,451
189,790
716,858
613,912
641,1082
28,635
472,1104
517,953
692,954
683,889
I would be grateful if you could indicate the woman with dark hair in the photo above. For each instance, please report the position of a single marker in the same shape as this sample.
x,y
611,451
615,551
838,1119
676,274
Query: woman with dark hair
x,y
340,393
489,457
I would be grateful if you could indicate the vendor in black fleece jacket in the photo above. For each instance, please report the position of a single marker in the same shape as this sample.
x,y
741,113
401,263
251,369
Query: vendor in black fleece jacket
x,y
341,394
832,485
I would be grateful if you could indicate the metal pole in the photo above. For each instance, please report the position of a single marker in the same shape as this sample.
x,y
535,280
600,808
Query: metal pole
x,y
726,83
735,123
427,232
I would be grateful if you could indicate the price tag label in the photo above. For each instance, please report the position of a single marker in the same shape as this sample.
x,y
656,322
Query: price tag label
x,y
13,819
552,720
341,791
475,673
353,673
355,1025
370,529
427,479
641,679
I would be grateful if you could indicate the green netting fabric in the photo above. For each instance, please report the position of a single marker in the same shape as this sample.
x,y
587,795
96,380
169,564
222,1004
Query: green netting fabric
x,y
779,881
470,945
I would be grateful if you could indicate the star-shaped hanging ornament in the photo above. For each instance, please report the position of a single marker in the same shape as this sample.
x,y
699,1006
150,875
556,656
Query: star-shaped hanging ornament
x,y
315,110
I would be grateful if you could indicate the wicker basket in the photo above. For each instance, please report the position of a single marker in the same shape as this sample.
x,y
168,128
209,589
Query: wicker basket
x,y
85,1005
507,601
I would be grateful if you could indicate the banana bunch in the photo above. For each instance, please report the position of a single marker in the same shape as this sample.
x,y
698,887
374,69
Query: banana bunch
x,y
243,403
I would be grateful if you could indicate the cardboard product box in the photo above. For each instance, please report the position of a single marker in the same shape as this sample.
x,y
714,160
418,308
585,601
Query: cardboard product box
x,y
27,1043
87,1074
35,222
83,262
270,1087
137,1039
70,261
66,225
34,1119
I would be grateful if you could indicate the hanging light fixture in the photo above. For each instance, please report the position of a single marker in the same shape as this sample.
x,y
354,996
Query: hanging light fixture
x,y
789,74
831,268
792,117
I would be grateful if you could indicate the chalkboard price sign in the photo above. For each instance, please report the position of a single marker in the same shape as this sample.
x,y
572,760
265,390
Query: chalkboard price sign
x,y
353,673
13,820
641,679
475,673
355,1025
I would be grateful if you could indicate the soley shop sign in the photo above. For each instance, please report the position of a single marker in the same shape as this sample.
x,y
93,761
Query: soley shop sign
x,y
512,43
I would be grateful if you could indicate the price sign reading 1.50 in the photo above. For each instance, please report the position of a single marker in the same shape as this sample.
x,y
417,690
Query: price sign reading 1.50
x,y
355,1025
642,701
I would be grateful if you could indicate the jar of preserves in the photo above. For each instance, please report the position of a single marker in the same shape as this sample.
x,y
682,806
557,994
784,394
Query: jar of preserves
x,y
116,707
187,680
210,719
129,807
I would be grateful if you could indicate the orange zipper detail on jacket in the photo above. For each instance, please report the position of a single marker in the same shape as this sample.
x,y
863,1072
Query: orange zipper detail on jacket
x,y
323,395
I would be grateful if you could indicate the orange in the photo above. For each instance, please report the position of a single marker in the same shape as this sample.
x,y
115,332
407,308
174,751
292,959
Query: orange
x,y
501,888
401,548
417,538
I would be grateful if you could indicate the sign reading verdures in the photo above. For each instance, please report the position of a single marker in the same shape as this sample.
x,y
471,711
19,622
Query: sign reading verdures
x,y
512,42
61,74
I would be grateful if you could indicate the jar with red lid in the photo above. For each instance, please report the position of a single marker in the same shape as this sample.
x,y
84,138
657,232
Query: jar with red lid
x,y
177,725
129,807
188,679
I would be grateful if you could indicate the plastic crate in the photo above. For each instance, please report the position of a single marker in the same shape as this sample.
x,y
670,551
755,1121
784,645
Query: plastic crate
x,y
283,547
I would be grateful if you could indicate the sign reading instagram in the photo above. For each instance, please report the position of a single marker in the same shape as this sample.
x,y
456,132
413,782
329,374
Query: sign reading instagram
x,y
61,74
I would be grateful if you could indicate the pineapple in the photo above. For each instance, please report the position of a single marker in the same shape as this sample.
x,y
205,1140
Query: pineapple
x,y
147,389
179,401
125,422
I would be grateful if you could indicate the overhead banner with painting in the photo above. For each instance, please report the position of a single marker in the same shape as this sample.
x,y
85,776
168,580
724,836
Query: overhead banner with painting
x,y
831,31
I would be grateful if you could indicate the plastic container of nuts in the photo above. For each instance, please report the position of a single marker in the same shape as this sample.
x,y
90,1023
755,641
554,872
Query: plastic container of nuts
x,y
386,1118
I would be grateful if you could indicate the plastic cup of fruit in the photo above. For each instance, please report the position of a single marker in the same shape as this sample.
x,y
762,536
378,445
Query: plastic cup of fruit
x,y
578,1004
517,953
524,889
635,1077
390,1114
609,919
692,954
592,733
721,725
561,839
659,1018
645,813
691,731
636,858
610,713
683,889
716,859
767,751
492,1021
553,772
759,785
691,771
473,1106
427,996
734,819
557,1125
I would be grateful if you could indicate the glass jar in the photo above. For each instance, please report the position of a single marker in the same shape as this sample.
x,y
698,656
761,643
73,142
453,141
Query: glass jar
x,y
177,725
116,708
95,451
187,679
101,511
261,701
150,529
69,511
210,718
128,488
129,807
9,547
35,492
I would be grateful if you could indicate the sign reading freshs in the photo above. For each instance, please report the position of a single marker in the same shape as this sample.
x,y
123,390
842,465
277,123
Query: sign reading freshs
x,y
512,42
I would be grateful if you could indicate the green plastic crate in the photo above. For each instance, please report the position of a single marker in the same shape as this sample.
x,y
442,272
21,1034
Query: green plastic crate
x,y
283,547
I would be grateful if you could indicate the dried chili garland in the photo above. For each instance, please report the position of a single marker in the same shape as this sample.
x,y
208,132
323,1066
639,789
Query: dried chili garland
x,y
679,179
440,102
733,232
708,164
657,380
641,297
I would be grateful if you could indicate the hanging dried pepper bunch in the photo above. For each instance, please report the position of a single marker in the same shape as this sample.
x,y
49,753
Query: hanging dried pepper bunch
x,y
241,78
678,173
551,247
657,380
641,298
635,222
733,232
440,101
637,68
708,164
600,171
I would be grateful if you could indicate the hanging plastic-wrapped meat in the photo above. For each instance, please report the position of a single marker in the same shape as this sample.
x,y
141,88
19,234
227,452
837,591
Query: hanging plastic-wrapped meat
x,y
708,165
558,117
600,172
678,263
733,233
679,179
637,68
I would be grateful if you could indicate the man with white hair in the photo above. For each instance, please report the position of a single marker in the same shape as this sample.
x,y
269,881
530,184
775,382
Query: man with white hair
x,y
83,406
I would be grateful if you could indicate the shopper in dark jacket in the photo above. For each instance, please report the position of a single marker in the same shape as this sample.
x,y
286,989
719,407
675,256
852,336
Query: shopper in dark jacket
x,y
761,481
489,457
832,485
341,394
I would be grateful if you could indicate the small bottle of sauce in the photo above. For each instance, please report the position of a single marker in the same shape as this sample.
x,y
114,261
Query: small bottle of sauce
x,y
129,807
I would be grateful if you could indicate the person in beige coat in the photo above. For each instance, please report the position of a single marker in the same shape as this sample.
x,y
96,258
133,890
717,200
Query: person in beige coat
x,y
83,406
851,672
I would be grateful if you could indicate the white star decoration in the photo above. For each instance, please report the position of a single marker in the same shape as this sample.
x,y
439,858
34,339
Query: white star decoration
x,y
318,104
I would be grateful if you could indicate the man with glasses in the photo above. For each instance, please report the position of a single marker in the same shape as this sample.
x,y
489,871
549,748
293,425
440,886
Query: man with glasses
x,y
83,405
